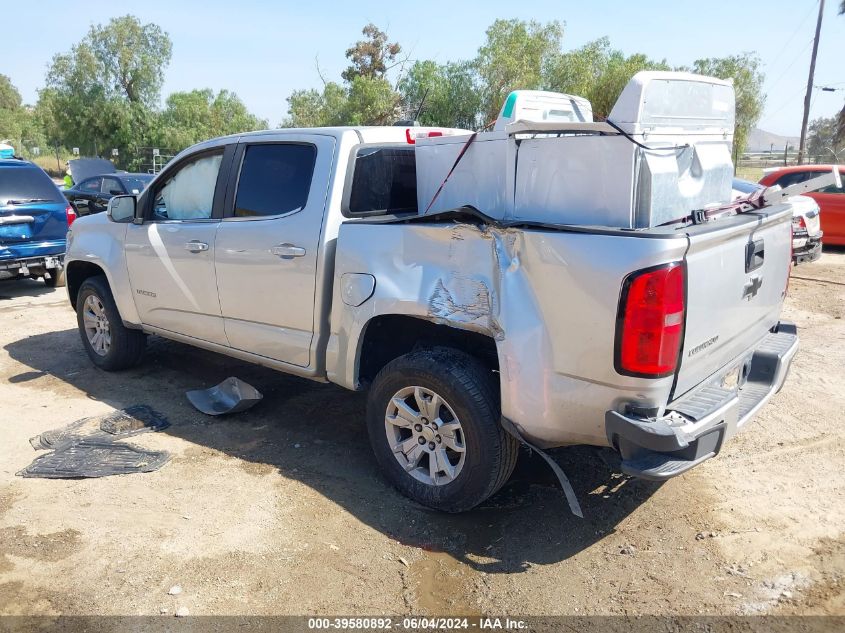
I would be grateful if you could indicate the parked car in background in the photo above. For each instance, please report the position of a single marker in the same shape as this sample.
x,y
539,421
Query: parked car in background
x,y
831,199
34,220
806,227
92,195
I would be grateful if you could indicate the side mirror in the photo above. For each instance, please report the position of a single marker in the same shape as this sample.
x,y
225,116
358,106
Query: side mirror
x,y
121,208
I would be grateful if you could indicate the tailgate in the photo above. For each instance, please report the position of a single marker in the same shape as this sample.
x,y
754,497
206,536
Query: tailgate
x,y
32,222
737,271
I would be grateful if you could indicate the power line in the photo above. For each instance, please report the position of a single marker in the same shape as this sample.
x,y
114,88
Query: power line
x,y
794,33
786,70
784,104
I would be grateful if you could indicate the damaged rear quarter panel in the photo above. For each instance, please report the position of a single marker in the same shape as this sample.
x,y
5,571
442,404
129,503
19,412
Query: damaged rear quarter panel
x,y
548,298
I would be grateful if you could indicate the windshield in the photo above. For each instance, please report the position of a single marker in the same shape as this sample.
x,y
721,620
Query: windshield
x,y
136,184
22,184
745,186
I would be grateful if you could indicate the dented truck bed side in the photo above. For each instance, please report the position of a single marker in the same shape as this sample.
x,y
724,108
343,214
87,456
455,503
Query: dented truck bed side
x,y
548,296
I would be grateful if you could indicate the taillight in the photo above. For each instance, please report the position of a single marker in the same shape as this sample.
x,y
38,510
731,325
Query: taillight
x,y
799,222
650,324
70,213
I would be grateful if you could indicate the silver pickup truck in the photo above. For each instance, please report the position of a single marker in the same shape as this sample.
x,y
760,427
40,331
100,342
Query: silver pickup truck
x,y
303,251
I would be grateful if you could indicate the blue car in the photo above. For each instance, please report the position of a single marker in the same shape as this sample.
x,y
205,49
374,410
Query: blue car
x,y
34,219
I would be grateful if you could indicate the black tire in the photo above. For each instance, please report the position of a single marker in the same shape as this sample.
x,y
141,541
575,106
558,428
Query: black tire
x,y
469,389
127,346
55,278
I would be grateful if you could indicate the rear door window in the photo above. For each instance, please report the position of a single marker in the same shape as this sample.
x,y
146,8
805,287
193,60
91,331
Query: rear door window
x,y
275,179
24,184
92,185
384,181
110,185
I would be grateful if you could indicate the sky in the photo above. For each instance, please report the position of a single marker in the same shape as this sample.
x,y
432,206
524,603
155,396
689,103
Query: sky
x,y
264,49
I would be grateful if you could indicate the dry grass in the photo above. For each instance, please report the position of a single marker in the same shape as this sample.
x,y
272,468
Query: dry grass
x,y
754,174
48,163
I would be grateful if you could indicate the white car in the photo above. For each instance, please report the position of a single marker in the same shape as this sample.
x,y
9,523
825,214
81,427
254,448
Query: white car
x,y
806,227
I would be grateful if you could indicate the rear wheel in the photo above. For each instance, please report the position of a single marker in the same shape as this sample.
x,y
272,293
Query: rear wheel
x,y
433,421
110,344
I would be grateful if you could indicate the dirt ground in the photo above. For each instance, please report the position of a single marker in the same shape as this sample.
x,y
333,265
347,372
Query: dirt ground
x,y
280,510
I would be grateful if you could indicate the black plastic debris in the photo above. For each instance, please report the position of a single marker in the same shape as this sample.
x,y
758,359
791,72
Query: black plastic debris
x,y
91,447
95,458
230,396
121,423
568,490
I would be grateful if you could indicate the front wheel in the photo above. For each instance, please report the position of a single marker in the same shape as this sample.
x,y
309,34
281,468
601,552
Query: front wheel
x,y
110,344
433,422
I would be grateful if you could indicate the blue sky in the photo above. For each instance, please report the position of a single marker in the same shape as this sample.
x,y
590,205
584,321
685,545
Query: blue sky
x,y
264,49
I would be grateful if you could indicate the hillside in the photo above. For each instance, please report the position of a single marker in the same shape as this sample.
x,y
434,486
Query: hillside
x,y
761,141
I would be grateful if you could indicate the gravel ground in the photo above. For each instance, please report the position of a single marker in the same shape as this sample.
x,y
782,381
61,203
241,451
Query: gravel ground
x,y
280,510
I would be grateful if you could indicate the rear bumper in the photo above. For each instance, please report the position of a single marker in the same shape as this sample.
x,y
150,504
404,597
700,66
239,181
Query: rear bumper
x,y
11,268
810,252
695,426
31,250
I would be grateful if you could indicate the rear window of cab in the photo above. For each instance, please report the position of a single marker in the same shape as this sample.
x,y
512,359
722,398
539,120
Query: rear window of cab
x,y
383,181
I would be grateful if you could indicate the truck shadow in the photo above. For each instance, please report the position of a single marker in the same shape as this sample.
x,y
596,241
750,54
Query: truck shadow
x,y
315,433
14,288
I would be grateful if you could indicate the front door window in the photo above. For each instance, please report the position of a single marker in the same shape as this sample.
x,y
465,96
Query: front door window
x,y
189,193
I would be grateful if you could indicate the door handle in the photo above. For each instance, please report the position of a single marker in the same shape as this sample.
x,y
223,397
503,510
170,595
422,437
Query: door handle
x,y
288,251
196,246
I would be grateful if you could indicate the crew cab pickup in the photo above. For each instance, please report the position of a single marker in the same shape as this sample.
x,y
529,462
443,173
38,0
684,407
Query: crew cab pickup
x,y
304,250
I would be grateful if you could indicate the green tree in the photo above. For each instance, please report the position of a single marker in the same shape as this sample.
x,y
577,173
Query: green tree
x,y
744,70
102,92
371,101
10,98
312,108
445,95
365,98
191,117
596,72
371,57
513,56
821,139
17,122
11,112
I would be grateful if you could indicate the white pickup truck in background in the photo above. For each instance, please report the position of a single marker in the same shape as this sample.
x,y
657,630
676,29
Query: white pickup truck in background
x,y
652,328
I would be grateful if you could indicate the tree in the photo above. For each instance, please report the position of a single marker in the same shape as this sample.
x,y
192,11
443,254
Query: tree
x,y
744,70
366,96
596,72
17,122
191,117
370,57
103,91
513,57
444,95
312,108
821,139
131,57
10,98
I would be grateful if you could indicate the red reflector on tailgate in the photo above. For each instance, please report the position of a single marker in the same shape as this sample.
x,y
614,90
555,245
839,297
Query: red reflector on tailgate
x,y
650,323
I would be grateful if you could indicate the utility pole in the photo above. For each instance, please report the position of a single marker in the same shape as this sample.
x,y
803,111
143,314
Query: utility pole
x,y
808,97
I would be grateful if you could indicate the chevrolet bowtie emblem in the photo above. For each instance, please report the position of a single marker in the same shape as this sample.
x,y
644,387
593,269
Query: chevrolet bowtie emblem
x,y
750,289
